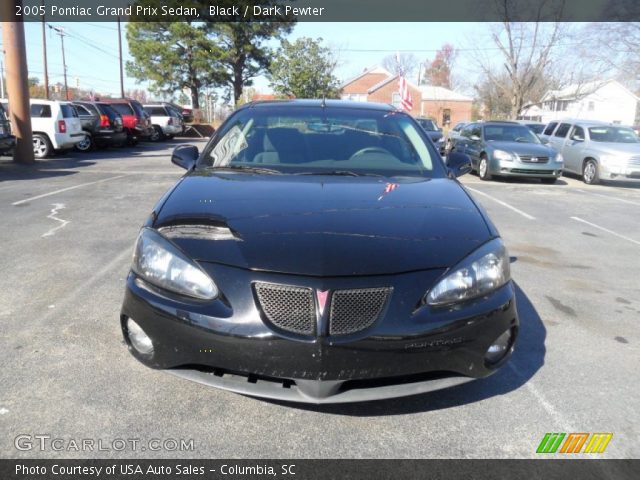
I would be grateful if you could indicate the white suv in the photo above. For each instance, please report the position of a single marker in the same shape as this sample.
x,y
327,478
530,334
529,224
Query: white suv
x,y
166,122
55,126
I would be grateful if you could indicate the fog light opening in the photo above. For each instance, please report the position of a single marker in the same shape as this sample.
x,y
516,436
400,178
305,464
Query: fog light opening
x,y
500,348
139,340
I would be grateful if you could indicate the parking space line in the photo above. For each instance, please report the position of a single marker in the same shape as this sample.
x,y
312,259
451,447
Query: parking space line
x,y
606,230
55,192
504,204
624,200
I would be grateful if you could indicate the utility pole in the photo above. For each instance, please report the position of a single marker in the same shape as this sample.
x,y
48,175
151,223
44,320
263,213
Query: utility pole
x,y
120,56
1,78
60,32
17,84
44,58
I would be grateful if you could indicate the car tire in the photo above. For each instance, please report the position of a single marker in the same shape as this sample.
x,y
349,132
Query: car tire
x,y
548,181
483,168
590,174
85,145
156,134
41,146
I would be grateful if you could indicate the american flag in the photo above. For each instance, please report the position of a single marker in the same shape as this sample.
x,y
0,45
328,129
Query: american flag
x,y
405,96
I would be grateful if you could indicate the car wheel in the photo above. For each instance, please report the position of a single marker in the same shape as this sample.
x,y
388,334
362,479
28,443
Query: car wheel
x,y
548,181
41,146
86,144
590,174
156,134
483,168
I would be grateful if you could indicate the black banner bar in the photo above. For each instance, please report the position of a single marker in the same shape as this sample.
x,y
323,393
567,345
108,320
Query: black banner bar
x,y
328,10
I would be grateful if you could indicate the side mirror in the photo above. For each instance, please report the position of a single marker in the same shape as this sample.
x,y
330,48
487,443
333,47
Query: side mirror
x,y
475,138
185,156
544,141
577,138
458,163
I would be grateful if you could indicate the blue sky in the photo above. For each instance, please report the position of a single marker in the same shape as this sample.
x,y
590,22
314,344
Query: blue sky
x,y
91,49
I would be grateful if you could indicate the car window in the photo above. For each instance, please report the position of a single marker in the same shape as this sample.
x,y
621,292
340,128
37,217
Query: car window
x,y
82,111
577,133
137,107
122,108
427,124
156,111
536,127
549,129
613,135
39,110
68,110
562,130
509,133
477,131
107,110
458,127
466,131
311,140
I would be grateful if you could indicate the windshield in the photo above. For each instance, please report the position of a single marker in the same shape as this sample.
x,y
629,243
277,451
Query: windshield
x,y
314,140
427,124
536,128
613,135
509,133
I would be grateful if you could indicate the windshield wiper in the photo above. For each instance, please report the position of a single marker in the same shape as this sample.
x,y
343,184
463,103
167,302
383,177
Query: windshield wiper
x,y
344,173
248,168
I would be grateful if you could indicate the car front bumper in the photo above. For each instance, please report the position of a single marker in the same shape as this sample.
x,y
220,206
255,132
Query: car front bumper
x,y
521,169
412,349
629,172
7,143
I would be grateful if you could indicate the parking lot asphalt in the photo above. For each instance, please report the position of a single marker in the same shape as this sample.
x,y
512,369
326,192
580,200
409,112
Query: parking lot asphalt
x,y
68,228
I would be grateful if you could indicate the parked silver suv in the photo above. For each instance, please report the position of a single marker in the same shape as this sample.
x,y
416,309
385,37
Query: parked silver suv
x,y
596,150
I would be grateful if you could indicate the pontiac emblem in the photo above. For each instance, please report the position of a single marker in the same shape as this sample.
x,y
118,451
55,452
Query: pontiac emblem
x,y
321,296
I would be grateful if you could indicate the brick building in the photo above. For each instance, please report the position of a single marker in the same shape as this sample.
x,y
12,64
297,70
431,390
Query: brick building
x,y
379,85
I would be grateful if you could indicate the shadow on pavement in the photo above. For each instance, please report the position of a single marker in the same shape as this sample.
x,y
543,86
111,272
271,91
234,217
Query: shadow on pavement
x,y
527,359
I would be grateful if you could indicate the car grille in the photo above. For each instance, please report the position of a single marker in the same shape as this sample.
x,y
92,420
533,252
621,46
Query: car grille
x,y
293,309
633,162
529,159
289,308
355,310
531,172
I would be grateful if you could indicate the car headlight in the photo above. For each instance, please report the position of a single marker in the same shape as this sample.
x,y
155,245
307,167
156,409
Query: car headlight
x,y
559,158
502,155
612,159
482,272
161,263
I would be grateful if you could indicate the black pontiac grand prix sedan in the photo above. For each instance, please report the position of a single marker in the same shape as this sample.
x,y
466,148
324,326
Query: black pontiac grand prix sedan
x,y
320,252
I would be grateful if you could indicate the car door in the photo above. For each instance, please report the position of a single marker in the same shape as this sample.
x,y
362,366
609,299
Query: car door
x,y
558,138
460,142
474,144
573,148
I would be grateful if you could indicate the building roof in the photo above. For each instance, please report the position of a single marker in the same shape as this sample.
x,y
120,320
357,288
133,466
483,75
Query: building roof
x,y
376,69
431,92
582,89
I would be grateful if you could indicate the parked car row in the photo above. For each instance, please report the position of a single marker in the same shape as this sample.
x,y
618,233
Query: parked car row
x,y
84,125
594,150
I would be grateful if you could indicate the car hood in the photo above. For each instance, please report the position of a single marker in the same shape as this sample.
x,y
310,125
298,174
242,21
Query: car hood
x,y
521,148
323,225
616,148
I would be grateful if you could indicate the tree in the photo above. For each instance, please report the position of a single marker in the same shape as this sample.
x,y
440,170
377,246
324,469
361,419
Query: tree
x,y
174,56
242,53
525,50
401,63
438,71
304,69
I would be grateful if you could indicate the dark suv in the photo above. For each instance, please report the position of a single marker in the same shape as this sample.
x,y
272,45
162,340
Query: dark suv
x,y
102,124
136,121
7,141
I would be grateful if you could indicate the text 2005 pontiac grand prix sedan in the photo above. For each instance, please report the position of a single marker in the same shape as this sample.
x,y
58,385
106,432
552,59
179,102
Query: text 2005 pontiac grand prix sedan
x,y
320,252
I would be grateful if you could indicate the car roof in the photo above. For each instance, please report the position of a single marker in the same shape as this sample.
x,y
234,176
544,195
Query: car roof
x,y
500,122
347,104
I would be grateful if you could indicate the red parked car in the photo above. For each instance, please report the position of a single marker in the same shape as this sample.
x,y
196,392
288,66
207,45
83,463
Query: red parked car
x,y
136,121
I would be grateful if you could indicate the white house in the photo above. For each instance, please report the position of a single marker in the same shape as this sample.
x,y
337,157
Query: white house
x,y
607,101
